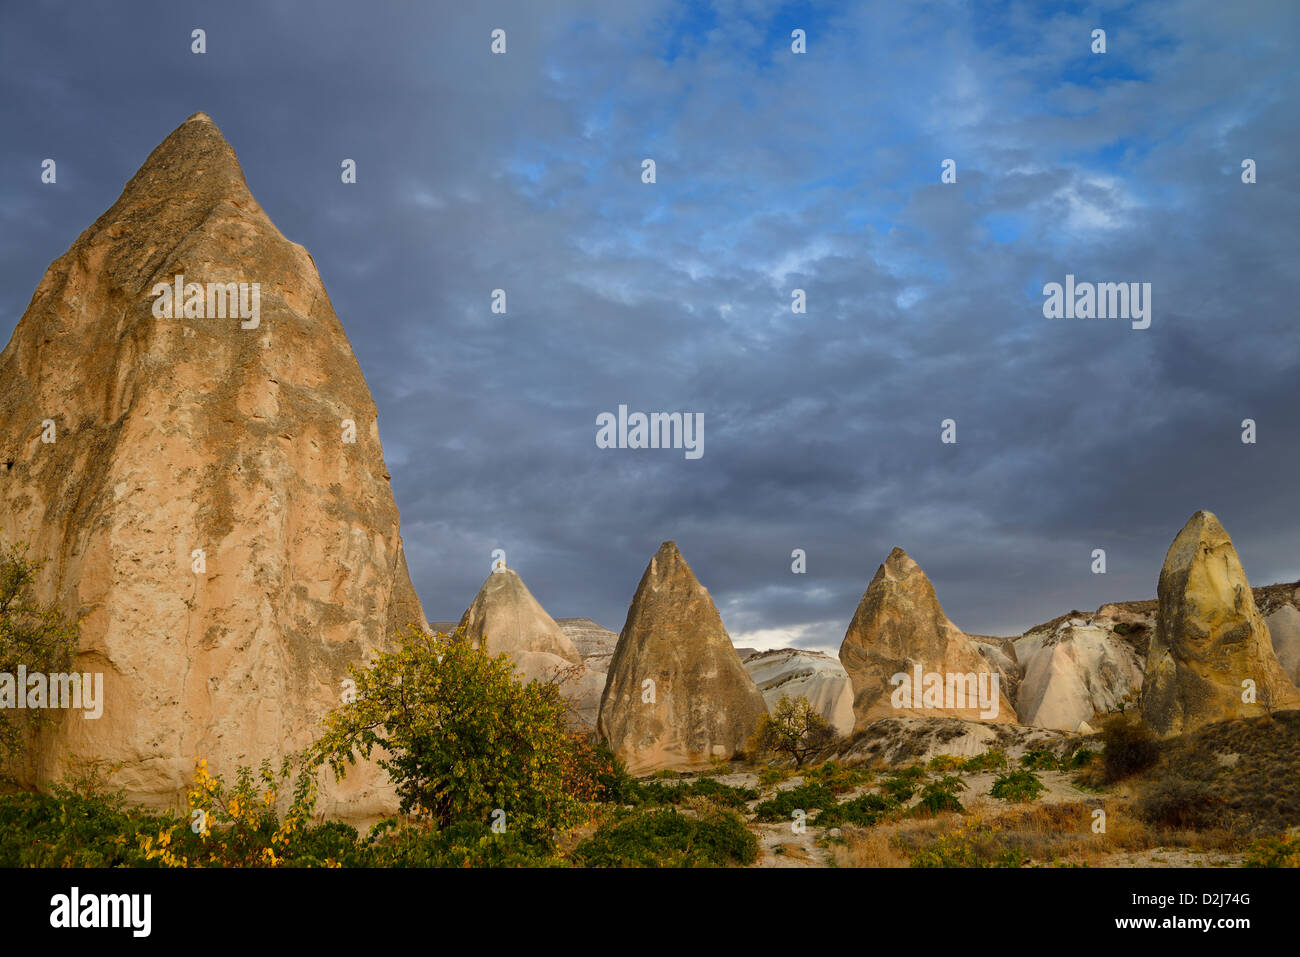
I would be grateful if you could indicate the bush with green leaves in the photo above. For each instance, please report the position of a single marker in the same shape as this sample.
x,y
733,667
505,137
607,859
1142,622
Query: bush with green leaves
x,y
724,795
902,783
975,845
1282,850
1017,785
794,728
666,838
805,797
463,738
1040,759
838,777
940,796
864,811
466,844
34,636
991,760
64,829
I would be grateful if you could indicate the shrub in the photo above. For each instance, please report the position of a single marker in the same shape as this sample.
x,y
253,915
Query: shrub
x,y
939,796
945,762
1180,803
991,760
1018,785
463,737
793,728
1129,747
1280,851
977,845
803,798
34,636
902,783
239,825
1079,759
64,829
609,775
863,811
932,802
1039,759
839,778
772,775
666,838
724,795
466,844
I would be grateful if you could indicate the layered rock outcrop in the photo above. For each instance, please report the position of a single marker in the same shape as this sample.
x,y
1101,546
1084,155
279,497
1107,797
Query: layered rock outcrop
x,y
209,490
1211,657
904,656
677,695
1074,671
804,674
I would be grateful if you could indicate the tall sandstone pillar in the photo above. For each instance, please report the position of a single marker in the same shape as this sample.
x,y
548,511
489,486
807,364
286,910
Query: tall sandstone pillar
x,y
1211,653
700,703
227,553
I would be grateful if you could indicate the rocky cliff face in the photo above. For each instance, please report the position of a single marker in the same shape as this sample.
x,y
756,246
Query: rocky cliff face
x,y
900,629
1210,639
677,695
229,545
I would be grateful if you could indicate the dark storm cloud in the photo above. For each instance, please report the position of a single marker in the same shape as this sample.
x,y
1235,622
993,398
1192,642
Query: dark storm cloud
x,y
775,172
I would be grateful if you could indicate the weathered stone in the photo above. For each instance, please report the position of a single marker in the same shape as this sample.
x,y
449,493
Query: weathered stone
x,y
900,626
591,640
700,703
175,435
1074,671
1210,640
505,618
805,674
1284,629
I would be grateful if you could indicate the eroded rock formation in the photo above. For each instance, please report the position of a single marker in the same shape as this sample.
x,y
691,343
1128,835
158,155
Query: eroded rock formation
x,y
228,545
677,695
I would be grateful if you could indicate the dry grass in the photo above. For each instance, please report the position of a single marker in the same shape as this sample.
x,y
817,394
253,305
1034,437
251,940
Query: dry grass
x,y
1044,833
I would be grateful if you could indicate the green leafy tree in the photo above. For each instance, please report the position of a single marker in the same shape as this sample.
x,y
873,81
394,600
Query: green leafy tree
x,y
462,739
795,729
33,635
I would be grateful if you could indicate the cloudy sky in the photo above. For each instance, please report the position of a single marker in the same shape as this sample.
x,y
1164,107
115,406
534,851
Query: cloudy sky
x,y
775,171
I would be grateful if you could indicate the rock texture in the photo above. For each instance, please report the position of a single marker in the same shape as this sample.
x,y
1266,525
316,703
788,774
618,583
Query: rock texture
x,y
1209,639
915,740
588,637
805,674
899,624
1074,671
505,618
173,436
1284,629
702,704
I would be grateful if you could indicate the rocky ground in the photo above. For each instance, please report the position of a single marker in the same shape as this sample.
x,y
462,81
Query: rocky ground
x,y
1224,776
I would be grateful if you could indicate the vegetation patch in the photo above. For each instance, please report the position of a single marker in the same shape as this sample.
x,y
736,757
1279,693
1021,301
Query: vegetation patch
x,y
805,797
1018,785
667,838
